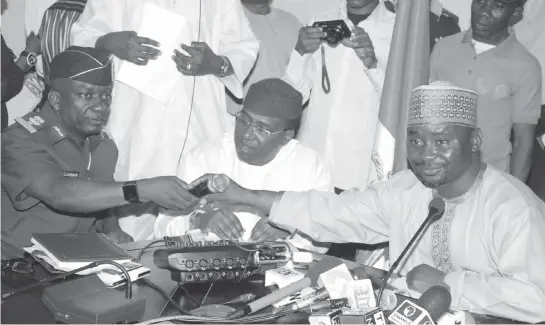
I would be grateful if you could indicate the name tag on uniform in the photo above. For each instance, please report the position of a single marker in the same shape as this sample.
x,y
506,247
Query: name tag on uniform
x,y
71,174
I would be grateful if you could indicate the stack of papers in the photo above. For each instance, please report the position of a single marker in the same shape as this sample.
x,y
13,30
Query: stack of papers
x,y
109,274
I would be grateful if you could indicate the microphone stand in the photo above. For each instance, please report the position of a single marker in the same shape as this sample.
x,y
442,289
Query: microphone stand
x,y
128,290
394,266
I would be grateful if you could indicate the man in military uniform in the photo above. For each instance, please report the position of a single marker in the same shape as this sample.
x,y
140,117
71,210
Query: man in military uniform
x,y
58,165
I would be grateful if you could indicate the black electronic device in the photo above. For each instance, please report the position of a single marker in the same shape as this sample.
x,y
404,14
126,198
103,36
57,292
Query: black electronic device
x,y
86,300
336,30
222,261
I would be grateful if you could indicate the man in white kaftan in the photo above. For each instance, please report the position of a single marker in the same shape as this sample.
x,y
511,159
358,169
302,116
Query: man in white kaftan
x,y
151,136
292,166
277,32
341,124
488,247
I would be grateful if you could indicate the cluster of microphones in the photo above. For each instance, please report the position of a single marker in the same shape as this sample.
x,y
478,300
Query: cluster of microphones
x,y
333,294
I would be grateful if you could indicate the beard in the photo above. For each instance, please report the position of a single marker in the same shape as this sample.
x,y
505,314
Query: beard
x,y
431,183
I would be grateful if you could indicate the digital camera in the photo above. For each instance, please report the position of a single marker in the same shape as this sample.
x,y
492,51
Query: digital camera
x,y
336,30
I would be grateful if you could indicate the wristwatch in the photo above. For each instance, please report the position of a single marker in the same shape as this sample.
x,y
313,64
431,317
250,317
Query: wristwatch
x,y
31,58
224,67
130,192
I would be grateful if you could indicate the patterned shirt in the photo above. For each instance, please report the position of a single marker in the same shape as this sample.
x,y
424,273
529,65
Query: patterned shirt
x,y
55,29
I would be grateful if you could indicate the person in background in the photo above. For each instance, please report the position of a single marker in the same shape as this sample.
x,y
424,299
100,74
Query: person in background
x,y
151,136
529,30
277,32
509,94
347,110
14,69
58,164
55,28
488,247
260,154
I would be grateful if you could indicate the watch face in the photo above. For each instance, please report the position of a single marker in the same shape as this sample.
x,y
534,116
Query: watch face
x,y
31,59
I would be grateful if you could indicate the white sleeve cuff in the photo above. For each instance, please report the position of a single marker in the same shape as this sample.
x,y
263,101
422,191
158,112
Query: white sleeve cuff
x,y
455,280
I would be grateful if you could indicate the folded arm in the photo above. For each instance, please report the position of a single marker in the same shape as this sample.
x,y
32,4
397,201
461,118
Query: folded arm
x,y
517,289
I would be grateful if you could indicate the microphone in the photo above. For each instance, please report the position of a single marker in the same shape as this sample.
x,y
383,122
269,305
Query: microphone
x,y
433,303
326,304
310,279
306,301
388,301
436,210
436,300
375,317
217,184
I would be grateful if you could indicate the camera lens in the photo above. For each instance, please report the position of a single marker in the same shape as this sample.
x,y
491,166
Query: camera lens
x,y
334,36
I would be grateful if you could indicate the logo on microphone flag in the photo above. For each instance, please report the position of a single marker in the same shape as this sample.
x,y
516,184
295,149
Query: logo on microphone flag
x,y
375,317
409,313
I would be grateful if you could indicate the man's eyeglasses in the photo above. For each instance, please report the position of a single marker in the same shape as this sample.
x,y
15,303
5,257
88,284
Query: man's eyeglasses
x,y
247,121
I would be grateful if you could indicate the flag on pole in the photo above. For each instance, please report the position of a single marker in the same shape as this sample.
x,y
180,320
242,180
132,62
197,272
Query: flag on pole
x,y
408,68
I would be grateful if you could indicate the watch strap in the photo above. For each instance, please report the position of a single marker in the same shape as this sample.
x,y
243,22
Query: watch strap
x,y
130,192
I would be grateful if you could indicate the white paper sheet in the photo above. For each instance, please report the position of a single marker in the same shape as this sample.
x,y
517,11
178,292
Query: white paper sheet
x,y
159,78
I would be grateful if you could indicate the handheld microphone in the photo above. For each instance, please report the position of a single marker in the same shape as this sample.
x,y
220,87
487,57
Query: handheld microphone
x,y
326,304
375,317
433,303
217,184
436,300
310,279
436,210
306,301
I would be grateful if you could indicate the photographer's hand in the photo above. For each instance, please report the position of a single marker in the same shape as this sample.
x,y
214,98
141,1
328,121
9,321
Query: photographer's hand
x,y
309,40
363,46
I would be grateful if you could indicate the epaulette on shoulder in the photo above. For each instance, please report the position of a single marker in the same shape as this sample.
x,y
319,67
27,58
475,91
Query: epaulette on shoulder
x,y
32,122
450,15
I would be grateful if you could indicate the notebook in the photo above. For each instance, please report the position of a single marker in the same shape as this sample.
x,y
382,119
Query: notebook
x,y
80,247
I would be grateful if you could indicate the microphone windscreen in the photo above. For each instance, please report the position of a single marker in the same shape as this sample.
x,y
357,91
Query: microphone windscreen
x,y
437,206
219,183
436,300
324,265
388,301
